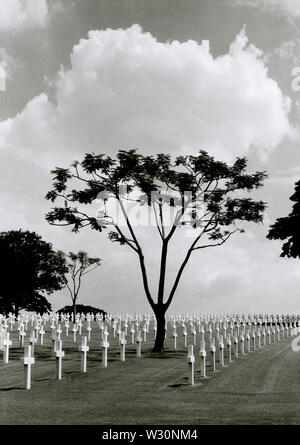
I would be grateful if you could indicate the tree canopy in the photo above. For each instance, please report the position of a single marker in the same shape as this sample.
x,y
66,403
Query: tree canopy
x,y
197,191
288,228
81,309
29,268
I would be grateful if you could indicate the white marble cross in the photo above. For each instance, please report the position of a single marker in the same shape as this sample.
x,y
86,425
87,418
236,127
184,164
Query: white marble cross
x,y
122,346
28,361
84,348
67,325
184,335
213,353
58,332
202,333
6,343
242,342
278,333
228,343
74,332
259,339
54,340
175,337
88,328
202,354
114,328
236,345
274,333
253,340
59,356
191,362
221,350
194,332
12,322
132,333
105,346
139,344
145,332
42,332
22,336
264,336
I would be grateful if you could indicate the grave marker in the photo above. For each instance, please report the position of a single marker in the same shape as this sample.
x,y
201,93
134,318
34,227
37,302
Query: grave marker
x,y
28,361
42,332
122,346
213,353
105,346
139,345
236,346
221,350
59,356
84,348
202,354
191,363
6,343
229,347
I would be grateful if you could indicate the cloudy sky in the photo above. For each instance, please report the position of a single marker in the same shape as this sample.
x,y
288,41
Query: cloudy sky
x,y
171,76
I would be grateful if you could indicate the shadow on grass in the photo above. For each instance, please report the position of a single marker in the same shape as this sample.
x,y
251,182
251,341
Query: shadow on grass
x,y
43,380
11,389
164,354
186,385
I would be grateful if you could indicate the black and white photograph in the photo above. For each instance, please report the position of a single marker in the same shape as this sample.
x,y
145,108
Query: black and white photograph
x,y
150,217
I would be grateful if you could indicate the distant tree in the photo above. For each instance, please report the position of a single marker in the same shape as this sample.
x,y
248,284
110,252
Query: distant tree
x,y
288,228
29,267
78,264
199,191
81,309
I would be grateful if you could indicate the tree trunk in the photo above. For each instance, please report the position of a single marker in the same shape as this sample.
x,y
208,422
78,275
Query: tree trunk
x,y
74,311
161,328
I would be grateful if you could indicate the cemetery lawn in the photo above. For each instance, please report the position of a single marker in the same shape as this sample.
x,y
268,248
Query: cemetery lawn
x,y
260,388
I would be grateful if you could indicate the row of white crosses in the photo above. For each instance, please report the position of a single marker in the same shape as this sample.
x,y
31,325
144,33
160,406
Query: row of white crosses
x,y
223,329
37,324
258,331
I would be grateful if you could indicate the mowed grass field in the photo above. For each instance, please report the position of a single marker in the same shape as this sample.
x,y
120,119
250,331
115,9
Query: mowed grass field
x,y
262,387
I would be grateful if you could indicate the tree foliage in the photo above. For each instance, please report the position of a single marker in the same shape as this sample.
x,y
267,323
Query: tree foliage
x,y
29,268
288,228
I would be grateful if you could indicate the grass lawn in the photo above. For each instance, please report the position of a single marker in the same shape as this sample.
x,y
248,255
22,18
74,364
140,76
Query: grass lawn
x,y
261,387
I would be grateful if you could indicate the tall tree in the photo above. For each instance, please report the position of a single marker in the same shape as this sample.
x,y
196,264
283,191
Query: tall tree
x,y
29,268
198,191
288,228
78,264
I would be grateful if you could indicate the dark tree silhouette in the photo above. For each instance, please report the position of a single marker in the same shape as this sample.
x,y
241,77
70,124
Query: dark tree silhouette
x,y
29,267
199,190
288,228
78,264
82,309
